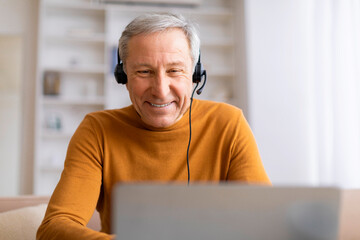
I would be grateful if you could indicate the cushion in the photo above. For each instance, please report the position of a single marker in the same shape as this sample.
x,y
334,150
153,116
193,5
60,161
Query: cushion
x,y
21,223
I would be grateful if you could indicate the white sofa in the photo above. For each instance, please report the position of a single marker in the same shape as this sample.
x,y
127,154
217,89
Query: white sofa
x,y
21,216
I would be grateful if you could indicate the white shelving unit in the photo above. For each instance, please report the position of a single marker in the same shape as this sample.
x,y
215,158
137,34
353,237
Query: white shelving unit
x,y
77,40
71,77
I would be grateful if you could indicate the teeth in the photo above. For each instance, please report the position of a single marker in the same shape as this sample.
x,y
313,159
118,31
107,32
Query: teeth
x,y
161,105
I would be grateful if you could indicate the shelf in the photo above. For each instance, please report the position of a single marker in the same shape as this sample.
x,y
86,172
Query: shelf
x,y
75,5
95,69
220,73
76,38
212,12
55,135
55,100
51,169
158,3
218,43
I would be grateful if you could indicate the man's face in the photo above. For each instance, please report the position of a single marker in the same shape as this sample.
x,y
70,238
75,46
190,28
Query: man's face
x,y
159,71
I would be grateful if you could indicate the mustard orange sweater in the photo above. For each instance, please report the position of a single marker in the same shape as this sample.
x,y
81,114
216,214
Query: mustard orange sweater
x,y
115,145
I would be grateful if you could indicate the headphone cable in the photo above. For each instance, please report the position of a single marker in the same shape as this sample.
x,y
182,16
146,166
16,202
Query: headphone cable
x,y
188,148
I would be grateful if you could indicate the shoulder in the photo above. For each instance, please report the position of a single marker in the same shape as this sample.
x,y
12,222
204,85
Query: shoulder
x,y
217,110
221,119
112,116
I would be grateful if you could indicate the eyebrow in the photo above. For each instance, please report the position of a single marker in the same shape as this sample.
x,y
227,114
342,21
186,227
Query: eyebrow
x,y
176,63
142,65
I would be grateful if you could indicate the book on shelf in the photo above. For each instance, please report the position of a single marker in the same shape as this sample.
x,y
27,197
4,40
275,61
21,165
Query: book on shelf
x,y
51,84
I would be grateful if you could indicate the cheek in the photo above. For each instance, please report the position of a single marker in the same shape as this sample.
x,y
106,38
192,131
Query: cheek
x,y
184,88
135,90
189,89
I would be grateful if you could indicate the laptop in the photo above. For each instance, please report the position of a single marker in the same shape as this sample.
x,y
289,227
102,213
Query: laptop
x,y
224,211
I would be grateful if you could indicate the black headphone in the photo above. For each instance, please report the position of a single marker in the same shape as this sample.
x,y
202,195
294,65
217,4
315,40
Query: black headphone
x,y
199,72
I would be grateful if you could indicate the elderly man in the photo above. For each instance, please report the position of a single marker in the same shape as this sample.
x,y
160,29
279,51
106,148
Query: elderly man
x,y
149,140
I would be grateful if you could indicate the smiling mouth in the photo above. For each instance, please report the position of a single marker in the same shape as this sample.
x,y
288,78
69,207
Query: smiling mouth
x,y
160,105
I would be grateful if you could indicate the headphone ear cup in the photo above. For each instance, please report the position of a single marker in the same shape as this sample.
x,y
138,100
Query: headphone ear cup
x,y
119,74
197,73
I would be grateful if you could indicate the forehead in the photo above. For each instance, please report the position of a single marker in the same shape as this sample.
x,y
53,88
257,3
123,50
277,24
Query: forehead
x,y
172,41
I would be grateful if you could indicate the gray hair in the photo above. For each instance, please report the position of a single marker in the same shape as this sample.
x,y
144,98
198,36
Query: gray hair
x,y
159,22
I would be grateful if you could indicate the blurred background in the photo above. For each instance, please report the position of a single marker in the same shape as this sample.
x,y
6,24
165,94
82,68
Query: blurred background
x,y
292,66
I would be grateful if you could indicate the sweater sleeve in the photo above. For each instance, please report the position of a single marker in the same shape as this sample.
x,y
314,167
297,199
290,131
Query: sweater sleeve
x,y
76,195
245,163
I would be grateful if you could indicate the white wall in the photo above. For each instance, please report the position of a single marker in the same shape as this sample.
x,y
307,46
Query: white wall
x,y
10,113
279,102
19,18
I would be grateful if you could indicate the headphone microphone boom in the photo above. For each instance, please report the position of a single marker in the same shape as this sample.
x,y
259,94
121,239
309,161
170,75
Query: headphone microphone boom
x,y
199,73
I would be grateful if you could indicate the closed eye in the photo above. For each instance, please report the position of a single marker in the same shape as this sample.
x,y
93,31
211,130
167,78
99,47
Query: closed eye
x,y
175,71
143,73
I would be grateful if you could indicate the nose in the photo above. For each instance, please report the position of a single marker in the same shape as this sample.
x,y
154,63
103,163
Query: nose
x,y
160,86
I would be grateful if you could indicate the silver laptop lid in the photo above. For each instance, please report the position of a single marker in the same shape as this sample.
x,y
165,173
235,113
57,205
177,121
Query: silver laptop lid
x,y
224,211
